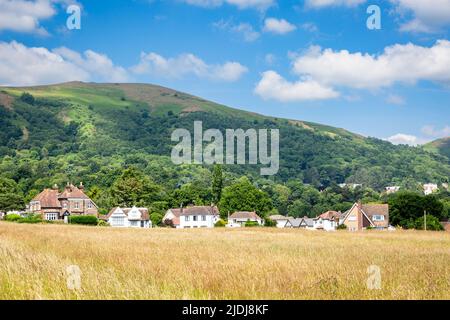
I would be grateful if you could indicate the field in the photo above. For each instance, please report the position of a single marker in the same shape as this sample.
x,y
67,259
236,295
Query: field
x,y
220,264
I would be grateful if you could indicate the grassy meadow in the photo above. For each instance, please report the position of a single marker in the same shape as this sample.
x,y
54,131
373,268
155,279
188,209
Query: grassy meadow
x,y
220,264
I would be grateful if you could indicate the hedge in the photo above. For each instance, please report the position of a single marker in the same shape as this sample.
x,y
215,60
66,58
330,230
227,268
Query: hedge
x,y
85,220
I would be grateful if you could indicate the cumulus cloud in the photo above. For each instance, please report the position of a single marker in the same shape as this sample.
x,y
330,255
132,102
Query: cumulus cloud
x,y
433,132
401,138
330,70
25,16
273,86
21,65
241,4
278,26
187,64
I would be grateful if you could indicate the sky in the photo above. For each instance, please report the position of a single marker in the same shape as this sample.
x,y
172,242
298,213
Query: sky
x,y
311,60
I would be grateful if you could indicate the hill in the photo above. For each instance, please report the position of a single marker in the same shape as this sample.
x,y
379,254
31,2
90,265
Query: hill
x,y
90,132
440,146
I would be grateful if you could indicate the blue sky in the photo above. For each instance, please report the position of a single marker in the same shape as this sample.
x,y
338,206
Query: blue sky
x,y
312,60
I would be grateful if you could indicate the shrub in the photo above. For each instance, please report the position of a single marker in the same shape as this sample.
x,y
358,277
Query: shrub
x,y
432,223
251,224
220,224
27,98
32,218
12,217
342,227
270,223
102,223
85,220
369,228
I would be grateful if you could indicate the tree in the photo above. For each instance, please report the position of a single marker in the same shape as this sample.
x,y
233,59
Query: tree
x,y
432,223
11,198
217,183
244,196
156,218
133,188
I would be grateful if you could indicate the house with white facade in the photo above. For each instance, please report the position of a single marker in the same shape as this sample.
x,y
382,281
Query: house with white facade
x,y
327,221
392,189
193,217
129,218
429,188
280,220
240,218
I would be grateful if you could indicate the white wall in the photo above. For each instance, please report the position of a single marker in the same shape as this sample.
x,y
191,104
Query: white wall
x,y
200,223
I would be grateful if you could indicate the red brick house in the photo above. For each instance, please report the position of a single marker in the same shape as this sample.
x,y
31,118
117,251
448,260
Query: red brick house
x,y
55,205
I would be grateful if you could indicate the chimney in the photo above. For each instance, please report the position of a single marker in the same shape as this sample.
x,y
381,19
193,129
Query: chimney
x,y
181,208
81,187
55,187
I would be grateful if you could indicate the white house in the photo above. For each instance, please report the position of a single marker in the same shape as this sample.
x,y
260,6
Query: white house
x,y
280,220
392,189
327,221
129,218
198,217
429,188
240,218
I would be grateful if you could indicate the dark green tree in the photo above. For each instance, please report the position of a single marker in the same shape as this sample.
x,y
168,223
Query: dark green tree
x,y
217,183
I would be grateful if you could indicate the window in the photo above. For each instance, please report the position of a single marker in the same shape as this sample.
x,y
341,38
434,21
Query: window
x,y
203,218
118,221
378,217
65,205
51,216
194,218
352,218
76,205
186,218
89,205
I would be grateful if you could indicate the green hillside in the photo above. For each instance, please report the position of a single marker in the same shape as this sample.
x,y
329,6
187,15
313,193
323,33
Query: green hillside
x,y
91,132
440,146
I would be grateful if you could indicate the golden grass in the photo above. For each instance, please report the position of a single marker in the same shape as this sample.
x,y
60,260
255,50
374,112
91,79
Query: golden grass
x,y
220,264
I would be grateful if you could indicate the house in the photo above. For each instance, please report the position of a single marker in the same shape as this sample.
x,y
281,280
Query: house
x,y
129,217
280,220
240,218
446,226
192,217
52,204
429,188
392,189
305,223
361,216
327,221
350,185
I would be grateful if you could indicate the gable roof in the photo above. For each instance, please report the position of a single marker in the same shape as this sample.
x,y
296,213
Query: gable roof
x,y
375,209
144,213
294,222
197,210
48,199
329,215
359,207
309,222
278,217
245,215
71,191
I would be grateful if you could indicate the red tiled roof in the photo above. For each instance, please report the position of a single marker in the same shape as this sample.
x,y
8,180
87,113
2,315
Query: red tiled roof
x,y
330,215
48,199
71,191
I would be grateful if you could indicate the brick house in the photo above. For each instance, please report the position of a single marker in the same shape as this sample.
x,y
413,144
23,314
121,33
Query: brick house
x,y
55,205
363,216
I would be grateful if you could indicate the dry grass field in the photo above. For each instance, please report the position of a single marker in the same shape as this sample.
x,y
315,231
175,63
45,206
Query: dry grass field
x,y
220,264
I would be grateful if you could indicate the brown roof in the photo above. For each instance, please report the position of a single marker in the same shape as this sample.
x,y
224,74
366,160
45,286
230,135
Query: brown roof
x,y
245,215
144,212
48,199
71,191
278,217
330,215
375,209
197,210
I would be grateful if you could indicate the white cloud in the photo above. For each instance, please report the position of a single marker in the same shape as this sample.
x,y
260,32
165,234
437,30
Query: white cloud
x,y
273,86
401,138
398,63
245,29
329,3
431,131
21,66
241,4
329,70
187,64
427,16
278,26
25,16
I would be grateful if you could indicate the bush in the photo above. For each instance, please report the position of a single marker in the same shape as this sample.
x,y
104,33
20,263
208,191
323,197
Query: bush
x,y
342,227
32,218
12,217
433,223
27,98
220,224
102,223
251,224
85,220
270,223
